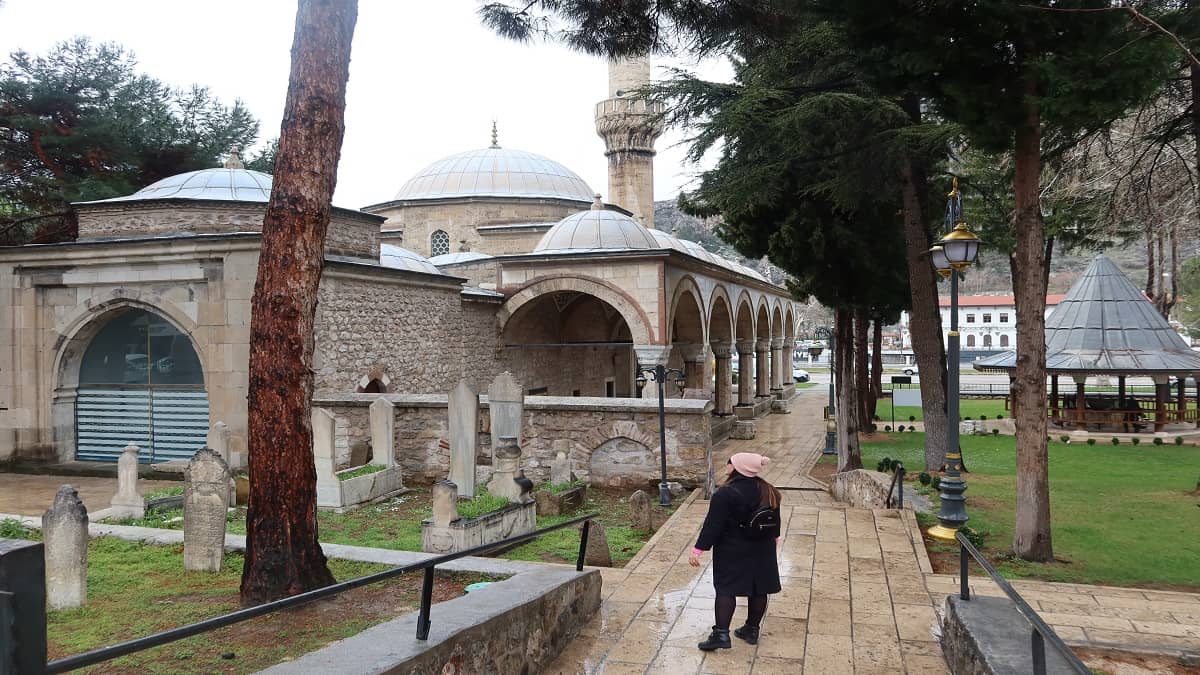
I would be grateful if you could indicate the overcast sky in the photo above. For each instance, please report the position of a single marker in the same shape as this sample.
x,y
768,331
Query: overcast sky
x,y
426,80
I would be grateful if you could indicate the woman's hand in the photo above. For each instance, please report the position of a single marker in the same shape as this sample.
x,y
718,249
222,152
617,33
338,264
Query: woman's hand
x,y
694,560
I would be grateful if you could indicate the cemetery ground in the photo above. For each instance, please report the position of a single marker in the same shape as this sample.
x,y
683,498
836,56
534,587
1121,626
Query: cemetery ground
x,y
1121,515
136,589
396,524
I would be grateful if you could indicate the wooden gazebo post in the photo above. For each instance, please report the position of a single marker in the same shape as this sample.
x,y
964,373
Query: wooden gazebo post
x,y
1080,381
1121,393
1054,396
1181,400
1161,389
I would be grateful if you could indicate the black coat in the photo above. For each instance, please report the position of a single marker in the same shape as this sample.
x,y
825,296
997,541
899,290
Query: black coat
x,y
741,567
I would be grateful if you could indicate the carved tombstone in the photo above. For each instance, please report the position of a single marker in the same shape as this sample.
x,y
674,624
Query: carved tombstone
x,y
383,432
127,503
639,511
464,437
204,505
360,452
506,408
329,490
445,503
65,533
560,469
507,465
218,441
597,553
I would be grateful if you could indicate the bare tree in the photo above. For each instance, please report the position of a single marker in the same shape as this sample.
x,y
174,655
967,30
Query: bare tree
x,y
283,556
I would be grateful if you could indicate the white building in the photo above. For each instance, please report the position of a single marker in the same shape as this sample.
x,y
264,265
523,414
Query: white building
x,y
985,322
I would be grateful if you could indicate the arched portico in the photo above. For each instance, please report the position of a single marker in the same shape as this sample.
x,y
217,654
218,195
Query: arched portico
x,y
687,334
762,350
720,336
744,334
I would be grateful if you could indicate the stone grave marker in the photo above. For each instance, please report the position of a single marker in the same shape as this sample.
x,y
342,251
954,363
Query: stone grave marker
x,y
127,503
597,554
506,406
218,441
65,534
560,468
383,432
360,453
507,465
639,511
205,496
325,456
445,502
464,437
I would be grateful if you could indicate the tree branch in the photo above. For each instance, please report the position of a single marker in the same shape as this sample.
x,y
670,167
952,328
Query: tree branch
x,y
1137,16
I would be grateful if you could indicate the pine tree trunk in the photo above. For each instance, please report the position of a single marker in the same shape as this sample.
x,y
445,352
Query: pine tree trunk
x,y
849,456
862,378
1031,536
925,318
876,366
283,556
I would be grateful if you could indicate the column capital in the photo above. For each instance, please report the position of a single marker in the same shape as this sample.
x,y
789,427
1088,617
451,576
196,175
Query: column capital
x,y
649,356
777,343
722,350
745,347
762,345
691,353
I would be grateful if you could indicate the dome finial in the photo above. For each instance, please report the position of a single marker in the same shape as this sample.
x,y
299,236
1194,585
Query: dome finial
x,y
495,136
597,203
234,161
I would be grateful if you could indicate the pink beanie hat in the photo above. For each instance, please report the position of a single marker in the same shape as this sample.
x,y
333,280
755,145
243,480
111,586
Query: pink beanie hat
x,y
749,464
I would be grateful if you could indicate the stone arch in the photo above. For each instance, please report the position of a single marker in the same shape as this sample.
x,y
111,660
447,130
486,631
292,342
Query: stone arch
x,y
762,320
620,440
789,322
374,382
688,321
777,322
744,317
634,316
720,317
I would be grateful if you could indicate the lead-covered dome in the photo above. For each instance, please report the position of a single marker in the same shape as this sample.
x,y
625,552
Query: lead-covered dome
x,y
231,185
596,229
398,257
496,172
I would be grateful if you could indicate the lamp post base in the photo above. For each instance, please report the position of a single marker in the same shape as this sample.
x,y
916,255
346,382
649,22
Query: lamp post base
x,y
830,443
664,494
943,533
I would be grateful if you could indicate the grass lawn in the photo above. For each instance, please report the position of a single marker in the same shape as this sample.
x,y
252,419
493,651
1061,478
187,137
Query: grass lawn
x,y
1121,515
396,524
974,408
136,589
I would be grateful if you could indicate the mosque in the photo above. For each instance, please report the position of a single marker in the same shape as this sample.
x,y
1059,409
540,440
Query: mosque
x,y
486,261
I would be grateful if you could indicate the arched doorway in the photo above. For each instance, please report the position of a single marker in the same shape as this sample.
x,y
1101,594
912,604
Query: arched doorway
x,y
141,382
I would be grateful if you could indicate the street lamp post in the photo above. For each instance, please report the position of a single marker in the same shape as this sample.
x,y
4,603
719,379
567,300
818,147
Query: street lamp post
x,y
660,374
951,256
825,333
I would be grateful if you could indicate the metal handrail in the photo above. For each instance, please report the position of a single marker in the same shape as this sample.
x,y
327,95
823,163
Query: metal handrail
x,y
1041,632
897,485
164,637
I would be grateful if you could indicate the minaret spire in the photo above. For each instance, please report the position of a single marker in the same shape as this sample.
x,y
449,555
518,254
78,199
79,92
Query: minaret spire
x,y
629,126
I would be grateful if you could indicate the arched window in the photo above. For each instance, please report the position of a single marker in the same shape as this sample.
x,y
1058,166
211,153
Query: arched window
x,y
970,340
375,386
439,243
987,340
1003,340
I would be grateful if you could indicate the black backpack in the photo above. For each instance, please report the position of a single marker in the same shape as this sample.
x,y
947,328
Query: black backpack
x,y
764,523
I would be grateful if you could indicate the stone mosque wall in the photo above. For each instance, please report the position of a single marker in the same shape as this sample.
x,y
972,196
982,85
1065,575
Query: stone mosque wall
x,y
460,217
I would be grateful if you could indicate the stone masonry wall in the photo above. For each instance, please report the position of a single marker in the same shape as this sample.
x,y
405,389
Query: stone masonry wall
x,y
577,426
459,218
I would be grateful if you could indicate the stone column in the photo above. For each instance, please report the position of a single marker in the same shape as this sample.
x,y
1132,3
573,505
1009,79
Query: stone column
x,y
65,534
789,353
777,378
745,350
694,357
649,356
762,376
724,393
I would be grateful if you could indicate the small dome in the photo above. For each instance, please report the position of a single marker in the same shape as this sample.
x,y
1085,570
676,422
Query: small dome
x,y
459,257
496,172
400,258
597,229
230,185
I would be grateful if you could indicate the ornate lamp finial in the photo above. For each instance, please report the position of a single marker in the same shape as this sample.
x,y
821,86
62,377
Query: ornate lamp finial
x,y
495,136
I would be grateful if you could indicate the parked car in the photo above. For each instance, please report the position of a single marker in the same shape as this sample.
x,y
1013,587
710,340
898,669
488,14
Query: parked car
x,y
910,370
799,375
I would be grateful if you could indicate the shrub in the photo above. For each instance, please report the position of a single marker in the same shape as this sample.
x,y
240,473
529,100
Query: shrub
x,y
912,418
925,478
1179,440
875,417
1000,416
936,483
967,417
11,528
1116,441
1064,438
874,427
1158,441
1091,441
884,464
983,418
974,536
1135,440
887,428
995,432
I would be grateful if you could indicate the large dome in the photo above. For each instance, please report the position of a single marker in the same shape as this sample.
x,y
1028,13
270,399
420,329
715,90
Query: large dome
x,y
496,172
234,185
596,229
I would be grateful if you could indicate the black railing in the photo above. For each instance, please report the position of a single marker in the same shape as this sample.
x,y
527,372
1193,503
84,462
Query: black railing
x,y
897,485
1041,633
423,621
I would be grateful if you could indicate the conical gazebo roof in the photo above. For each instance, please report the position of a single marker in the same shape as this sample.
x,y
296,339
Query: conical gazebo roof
x,y
1105,325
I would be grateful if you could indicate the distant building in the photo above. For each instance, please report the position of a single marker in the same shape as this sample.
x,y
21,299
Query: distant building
x,y
986,323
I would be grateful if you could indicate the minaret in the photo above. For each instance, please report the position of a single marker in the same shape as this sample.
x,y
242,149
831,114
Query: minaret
x,y
629,128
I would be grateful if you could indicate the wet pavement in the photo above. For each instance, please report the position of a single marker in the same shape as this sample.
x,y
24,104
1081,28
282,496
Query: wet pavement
x,y
31,495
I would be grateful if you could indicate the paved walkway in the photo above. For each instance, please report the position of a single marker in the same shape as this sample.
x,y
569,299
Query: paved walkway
x,y
859,594
31,495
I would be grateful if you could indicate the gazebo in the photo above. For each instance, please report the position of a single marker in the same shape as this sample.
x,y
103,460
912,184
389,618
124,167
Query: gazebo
x,y
1107,327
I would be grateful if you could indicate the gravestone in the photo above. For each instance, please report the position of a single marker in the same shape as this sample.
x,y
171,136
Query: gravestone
x,y
639,511
218,441
127,503
360,453
383,432
205,496
597,554
506,405
464,437
325,456
445,502
65,534
506,465
560,468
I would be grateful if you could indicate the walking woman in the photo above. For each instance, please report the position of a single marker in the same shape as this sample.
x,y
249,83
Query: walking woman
x,y
742,528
